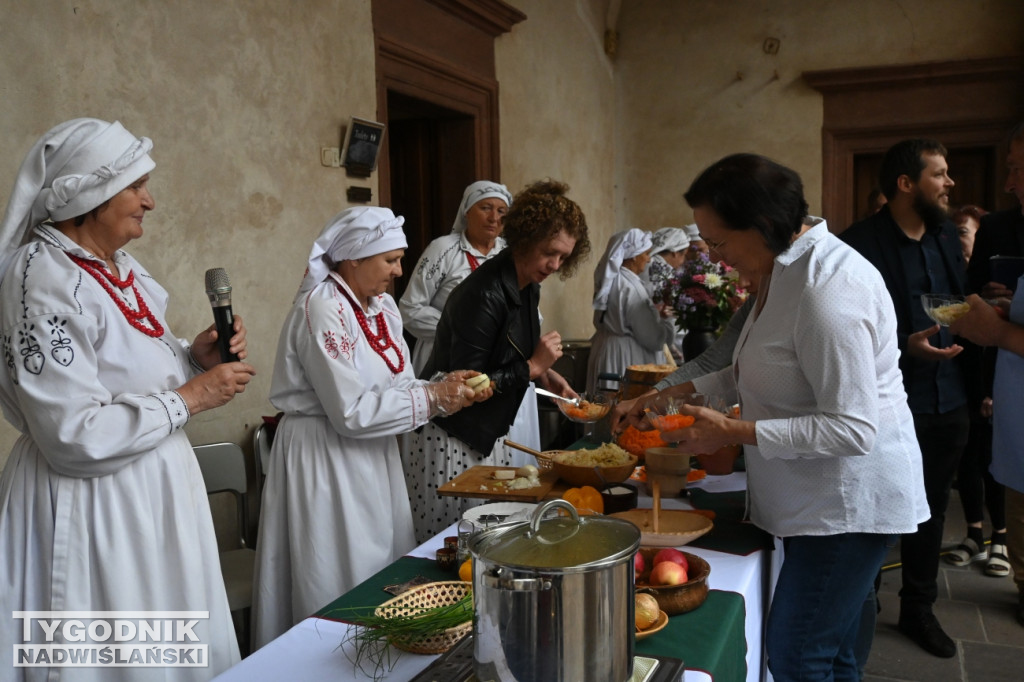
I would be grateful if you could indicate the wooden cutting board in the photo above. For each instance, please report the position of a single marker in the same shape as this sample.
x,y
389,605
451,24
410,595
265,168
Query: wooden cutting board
x,y
479,482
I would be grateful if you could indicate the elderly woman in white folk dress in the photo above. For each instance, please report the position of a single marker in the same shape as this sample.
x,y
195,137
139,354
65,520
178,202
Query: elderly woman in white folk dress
x,y
669,246
668,251
631,329
335,508
475,239
102,503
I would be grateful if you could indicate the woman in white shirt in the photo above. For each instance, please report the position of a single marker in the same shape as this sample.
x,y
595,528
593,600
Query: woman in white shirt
x,y
335,509
630,328
832,461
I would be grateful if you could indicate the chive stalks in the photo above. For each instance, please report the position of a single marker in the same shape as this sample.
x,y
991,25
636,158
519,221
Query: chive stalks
x,y
371,634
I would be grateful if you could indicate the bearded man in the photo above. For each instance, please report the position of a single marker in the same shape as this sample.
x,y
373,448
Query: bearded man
x,y
915,246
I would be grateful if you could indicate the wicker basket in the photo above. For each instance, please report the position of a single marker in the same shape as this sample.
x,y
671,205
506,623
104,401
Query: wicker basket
x,y
419,599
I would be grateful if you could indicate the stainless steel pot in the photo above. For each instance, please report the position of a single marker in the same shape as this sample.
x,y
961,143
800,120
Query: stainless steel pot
x,y
554,598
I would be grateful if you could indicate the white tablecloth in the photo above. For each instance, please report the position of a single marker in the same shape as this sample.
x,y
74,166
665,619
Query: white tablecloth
x,y
312,649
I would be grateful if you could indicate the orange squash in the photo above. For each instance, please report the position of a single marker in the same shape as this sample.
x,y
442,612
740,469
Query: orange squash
x,y
585,499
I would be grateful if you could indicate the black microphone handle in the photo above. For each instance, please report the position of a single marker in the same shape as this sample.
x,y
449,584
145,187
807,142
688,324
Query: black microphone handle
x,y
225,322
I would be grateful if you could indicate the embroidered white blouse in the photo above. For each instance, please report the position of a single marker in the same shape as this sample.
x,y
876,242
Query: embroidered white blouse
x,y
335,506
818,370
102,503
442,266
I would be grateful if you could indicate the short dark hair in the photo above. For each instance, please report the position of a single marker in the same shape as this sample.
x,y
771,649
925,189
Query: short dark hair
x,y
538,213
751,192
906,158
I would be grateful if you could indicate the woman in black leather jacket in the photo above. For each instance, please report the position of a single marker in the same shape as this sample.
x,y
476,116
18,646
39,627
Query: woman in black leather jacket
x,y
490,323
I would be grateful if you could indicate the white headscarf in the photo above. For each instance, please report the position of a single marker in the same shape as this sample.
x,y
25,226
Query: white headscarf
x,y
478,191
693,233
71,170
622,245
669,239
354,233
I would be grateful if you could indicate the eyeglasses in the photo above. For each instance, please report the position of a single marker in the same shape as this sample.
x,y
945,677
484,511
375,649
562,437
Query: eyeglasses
x,y
713,245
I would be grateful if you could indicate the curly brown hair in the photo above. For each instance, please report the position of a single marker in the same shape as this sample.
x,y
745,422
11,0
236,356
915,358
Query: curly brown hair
x,y
537,214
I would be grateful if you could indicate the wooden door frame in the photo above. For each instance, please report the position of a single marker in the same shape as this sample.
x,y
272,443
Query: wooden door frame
x,y
442,51
867,110
411,72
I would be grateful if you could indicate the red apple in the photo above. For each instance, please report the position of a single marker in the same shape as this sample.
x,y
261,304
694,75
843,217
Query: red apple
x,y
638,564
673,555
668,573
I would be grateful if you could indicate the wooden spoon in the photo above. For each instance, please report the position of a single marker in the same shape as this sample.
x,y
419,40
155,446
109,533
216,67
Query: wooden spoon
x,y
530,451
656,510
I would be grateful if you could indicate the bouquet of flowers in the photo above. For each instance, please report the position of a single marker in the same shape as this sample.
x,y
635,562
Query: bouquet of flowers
x,y
703,293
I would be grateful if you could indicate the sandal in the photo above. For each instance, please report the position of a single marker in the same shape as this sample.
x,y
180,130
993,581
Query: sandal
x,y
966,553
998,564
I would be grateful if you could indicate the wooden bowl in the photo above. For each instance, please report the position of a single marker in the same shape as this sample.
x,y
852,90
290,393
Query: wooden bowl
x,y
675,599
658,625
676,527
584,475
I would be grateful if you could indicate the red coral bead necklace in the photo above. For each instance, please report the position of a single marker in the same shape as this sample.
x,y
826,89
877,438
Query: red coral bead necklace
x,y
381,341
108,281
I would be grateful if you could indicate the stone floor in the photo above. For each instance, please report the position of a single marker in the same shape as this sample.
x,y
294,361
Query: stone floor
x,y
975,610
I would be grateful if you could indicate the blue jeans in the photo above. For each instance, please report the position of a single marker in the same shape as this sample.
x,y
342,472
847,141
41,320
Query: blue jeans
x,y
817,604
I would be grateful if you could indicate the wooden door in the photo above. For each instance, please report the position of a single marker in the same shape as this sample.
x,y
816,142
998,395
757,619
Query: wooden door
x,y
971,168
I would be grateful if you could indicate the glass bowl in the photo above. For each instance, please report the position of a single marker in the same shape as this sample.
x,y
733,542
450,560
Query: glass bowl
x,y
664,413
944,308
592,407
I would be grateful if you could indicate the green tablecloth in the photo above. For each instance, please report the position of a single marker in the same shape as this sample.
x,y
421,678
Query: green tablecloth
x,y
709,638
731,533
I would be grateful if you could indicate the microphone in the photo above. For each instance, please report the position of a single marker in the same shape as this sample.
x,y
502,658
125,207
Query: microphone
x,y
218,290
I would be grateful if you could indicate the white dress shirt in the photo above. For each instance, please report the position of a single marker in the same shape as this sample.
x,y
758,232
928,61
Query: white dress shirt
x,y
818,370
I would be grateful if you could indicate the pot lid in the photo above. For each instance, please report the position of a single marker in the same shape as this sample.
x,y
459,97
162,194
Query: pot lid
x,y
558,541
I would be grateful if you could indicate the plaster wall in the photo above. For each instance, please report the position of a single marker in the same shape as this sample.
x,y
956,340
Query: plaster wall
x,y
694,82
238,97
558,120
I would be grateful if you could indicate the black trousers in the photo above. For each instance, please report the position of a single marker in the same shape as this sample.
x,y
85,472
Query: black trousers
x,y
942,438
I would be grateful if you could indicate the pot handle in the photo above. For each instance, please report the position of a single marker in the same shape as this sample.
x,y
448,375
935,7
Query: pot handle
x,y
543,509
497,580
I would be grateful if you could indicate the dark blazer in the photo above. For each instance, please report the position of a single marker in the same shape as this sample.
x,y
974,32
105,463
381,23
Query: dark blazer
x,y
875,238
481,328
1000,234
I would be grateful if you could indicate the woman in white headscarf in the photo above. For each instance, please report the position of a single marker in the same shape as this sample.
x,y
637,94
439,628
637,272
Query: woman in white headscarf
x,y
697,243
668,251
474,239
102,503
631,329
335,509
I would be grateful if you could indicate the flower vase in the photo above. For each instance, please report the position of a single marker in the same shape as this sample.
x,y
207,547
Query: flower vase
x,y
696,342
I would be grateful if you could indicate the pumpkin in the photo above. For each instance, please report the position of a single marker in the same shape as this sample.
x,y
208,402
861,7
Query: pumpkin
x,y
585,499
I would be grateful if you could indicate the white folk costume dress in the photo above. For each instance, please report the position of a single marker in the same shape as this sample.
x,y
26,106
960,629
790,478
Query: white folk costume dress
x,y
445,262
335,508
629,328
102,503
